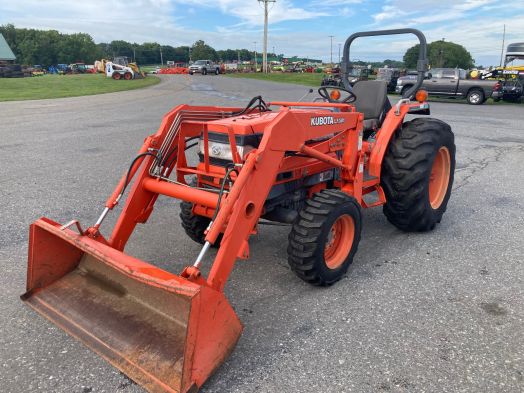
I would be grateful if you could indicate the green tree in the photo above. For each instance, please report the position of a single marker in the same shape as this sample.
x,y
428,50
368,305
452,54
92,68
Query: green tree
x,y
148,53
246,55
441,54
201,51
76,48
182,54
121,48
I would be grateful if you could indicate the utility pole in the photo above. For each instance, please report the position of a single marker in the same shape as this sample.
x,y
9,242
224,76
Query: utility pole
x,y
331,36
339,47
134,54
441,57
256,62
266,13
161,57
502,49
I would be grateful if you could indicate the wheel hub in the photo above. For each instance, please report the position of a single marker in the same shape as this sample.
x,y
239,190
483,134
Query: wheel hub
x,y
439,178
339,241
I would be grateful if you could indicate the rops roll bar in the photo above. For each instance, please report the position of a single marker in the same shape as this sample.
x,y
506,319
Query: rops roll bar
x,y
422,63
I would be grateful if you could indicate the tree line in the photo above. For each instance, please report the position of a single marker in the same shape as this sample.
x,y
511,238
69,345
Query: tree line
x,y
48,47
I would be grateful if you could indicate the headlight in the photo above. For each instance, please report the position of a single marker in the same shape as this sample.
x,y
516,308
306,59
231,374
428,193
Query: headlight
x,y
223,150
399,82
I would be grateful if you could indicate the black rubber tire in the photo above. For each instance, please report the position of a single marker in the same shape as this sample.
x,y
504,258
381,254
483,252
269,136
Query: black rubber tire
x,y
217,71
310,232
406,171
195,226
204,71
116,76
190,73
475,97
128,76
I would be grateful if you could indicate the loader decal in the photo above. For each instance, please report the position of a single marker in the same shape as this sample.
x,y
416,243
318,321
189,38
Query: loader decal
x,y
326,120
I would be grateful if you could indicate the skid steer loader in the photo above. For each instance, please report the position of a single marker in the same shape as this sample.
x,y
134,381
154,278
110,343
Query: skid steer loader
x,y
314,165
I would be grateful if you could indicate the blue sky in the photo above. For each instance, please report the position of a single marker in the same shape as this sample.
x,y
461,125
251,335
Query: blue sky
x,y
299,28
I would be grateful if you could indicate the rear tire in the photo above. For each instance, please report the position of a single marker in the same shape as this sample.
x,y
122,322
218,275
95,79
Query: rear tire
x,y
128,76
217,71
475,97
204,71
417,174
116,76
325,237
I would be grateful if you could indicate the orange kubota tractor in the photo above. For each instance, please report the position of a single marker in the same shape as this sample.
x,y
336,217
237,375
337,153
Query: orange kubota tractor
x,y
314,165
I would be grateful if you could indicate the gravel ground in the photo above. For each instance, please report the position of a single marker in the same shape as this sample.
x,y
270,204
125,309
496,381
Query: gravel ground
x,y
434,312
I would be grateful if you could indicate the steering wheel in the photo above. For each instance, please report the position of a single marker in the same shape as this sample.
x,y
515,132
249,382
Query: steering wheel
x,y
325,93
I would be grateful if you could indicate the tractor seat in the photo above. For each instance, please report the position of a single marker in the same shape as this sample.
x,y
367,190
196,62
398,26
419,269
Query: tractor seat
x,y
372,100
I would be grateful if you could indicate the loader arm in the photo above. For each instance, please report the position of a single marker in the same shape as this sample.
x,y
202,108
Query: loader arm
x,y
170,332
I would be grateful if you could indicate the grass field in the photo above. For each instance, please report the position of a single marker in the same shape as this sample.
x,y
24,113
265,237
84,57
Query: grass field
x,y
306,79
314,80
58,86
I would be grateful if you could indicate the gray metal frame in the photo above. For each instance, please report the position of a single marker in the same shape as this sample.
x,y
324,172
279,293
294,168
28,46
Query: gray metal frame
x,y
422,63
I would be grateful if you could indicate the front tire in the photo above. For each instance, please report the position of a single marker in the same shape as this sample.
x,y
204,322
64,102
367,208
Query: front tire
x,y
217,71
204,72
325,237
195,226
417,174
475,97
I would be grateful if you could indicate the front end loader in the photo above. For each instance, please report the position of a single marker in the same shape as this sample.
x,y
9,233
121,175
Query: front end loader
x,y
313,165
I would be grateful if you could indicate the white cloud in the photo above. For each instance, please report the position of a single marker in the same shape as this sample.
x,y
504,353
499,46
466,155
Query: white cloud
x,y
329,3
429,11
132,20
253,13
160,20
389,12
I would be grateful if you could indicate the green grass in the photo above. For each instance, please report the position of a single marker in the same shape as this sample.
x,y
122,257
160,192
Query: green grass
x,y
149,68
59,86
305,78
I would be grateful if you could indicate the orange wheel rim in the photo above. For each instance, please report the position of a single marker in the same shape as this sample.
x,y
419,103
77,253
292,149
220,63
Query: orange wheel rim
x,y
439,178
339,241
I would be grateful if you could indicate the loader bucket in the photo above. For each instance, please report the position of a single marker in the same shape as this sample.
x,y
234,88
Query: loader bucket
x,y
166,333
